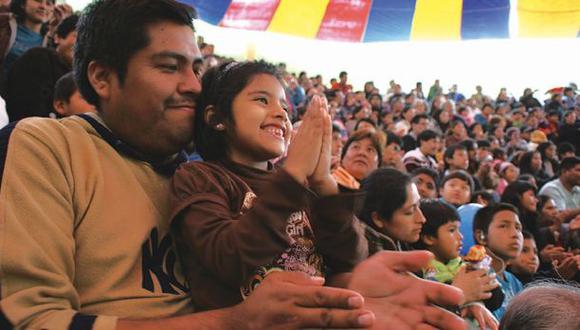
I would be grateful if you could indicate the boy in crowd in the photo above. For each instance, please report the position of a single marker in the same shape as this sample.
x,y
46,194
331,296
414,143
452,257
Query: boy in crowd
x,y
441,236
526,265
457,187
67,100
456,158
498,228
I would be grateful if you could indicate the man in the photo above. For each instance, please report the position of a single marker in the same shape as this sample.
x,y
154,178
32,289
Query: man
x,y
565,190
30,82
84,232
419,123
423,156
456,158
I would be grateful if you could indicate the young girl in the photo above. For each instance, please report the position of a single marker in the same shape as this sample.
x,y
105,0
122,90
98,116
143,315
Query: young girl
x,y
237,217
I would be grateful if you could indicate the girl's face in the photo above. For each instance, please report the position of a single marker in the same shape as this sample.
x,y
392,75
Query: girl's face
x,y
407,221
425,185
529,201
511,174
527,262
361,158
536,163
262,128
549,209
551,152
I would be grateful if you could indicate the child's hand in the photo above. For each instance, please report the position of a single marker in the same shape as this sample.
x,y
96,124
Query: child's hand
x,y
484,317
476,284
321,181
304,149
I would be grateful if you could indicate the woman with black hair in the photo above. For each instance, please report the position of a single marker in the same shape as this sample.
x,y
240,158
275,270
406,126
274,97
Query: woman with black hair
x,y
531,163
522,195
391,211
550,163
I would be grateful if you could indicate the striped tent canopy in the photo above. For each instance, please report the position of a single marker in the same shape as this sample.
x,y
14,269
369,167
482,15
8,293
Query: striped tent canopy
x,y
396,20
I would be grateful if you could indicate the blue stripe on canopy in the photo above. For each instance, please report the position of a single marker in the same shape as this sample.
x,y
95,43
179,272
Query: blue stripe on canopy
x,y
210,11
485,19
390,20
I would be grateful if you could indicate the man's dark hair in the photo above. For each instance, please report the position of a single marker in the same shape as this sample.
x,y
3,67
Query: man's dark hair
x,y
461,175
220,86
418,118
485,215
394,138
67,26
450,151
342,73
110,32
483,144
565,147
569,163
64,88
427,135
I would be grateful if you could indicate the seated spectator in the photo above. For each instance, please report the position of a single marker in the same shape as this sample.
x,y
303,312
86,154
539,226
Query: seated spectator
x,y
393,153
419,123
526,265
484,151
498,228
456,158
543,305
550,163
522,195
426,180
531,163
565,150
484,198
441,236
457,187
424,155
569,129
457,132
565,190
391,211
31,80
67,99
362,154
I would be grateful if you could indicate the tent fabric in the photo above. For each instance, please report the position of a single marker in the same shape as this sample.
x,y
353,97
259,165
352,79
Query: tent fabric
x,y
396,20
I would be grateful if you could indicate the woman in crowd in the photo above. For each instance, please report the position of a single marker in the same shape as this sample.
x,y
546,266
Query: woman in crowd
x,y
550,164
522,195
531,163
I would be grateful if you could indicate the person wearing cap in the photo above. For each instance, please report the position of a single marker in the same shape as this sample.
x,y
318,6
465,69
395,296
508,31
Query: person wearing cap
x,y
565,190
508,173
536,138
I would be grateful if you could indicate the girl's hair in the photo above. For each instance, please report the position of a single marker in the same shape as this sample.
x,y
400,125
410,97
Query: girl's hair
x,y
542,200
386,191
220,85
526,162
514,191
542,148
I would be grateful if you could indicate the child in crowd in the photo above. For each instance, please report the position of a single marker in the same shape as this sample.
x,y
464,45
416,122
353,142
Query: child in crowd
x,y
457,187
526,265
238,217
442,237
498,228
67,100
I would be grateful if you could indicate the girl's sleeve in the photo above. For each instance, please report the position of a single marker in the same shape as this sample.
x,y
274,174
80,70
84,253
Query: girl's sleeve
x,y
209,227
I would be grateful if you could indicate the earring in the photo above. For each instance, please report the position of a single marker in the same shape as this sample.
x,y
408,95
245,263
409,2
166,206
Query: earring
x,y
220,127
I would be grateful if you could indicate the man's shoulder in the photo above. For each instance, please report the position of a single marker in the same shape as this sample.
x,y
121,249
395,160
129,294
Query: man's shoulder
x,y
551,186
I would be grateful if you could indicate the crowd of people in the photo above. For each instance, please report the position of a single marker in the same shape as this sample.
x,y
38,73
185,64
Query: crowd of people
x,y
175,188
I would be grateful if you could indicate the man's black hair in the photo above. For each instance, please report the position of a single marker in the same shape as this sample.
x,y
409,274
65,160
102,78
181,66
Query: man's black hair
x,y
67,26
427,135
418,118
110,32
569,163
64,88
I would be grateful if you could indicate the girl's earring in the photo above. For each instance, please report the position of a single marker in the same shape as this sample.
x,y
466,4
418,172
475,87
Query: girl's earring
x,y
220,127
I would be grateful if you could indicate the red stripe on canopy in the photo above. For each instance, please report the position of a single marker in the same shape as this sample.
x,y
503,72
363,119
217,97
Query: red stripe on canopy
x,y
345,20
250,14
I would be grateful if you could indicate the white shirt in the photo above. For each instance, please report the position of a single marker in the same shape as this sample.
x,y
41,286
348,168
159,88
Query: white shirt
x,y
563,198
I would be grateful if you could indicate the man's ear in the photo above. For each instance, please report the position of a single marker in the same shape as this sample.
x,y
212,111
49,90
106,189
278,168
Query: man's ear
x,y
100,77
377,220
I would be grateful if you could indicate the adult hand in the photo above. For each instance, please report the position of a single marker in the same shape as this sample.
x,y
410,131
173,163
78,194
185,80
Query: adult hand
x,y
567,268
550,253
59,13
321,181
476,284
575,223
482,315
305,146
292,300
399,299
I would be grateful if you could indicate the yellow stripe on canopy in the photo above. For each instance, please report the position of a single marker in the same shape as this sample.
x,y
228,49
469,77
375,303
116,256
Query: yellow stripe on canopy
x,y
437,19
555,18
298,17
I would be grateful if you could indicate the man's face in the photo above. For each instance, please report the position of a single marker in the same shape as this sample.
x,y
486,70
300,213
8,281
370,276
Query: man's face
x,y
430,147
38,11
572,175
154,108
65,46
